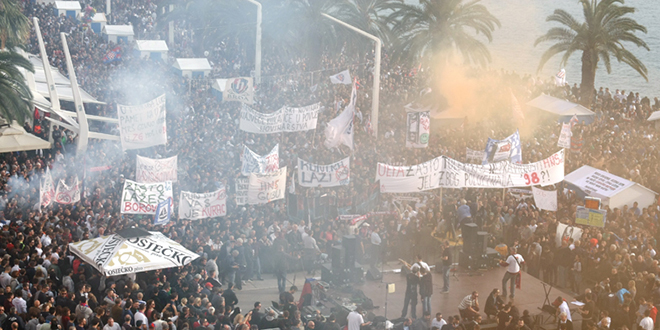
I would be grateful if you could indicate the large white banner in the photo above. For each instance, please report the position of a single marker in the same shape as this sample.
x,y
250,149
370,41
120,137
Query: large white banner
x,y
449,173
545,200
476,155
315,175
265,188
242,185
195,206
143,198
565,136
239,89
500,150
418,129
144,125
286,119
566,232
602,184
254,163
67,194
149,170
46,189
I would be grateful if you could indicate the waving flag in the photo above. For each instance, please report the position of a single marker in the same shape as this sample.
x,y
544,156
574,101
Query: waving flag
x,y
340,130
163,212
343,77
560,78
113,55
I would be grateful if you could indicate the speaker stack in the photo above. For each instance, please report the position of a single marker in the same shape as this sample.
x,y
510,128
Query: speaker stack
x,y
343,268
473,256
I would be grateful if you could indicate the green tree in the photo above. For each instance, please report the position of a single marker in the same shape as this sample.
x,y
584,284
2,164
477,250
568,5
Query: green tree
x,y
435,29
606,28
15,95
14,26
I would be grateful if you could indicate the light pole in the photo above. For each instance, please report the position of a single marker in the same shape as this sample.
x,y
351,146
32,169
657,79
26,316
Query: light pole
x,y
376,87
257,56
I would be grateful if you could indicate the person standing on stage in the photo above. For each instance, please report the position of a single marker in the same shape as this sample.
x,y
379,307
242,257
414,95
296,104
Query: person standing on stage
x,y
446,266
412,281
513,266
426,289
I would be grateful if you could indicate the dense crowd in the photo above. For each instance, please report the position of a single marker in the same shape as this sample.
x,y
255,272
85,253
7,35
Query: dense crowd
x,y
47,287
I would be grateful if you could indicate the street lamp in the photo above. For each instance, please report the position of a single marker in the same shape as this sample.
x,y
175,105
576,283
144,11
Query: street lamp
x,y
257,56
376,87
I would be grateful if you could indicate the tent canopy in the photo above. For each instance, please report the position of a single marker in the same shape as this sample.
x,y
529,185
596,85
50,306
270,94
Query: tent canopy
x,y
99,18
611,189
151,45
67,5
561,108
118,30
192,64
654,116
14,138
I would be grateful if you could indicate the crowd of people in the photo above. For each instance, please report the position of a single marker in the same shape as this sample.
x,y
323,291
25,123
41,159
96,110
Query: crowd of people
x,y
45,286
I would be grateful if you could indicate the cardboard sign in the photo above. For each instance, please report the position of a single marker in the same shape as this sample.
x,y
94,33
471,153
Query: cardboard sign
x,y
590,217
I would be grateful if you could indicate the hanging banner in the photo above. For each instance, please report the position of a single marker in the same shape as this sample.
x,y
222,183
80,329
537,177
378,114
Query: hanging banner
x,y
449,173
501,150
239,89
418,129
566,232
46,189
475,155
265,188
195,206
565,136
143,198
314,175
602,184
545,200
590,217
142,126
242,185
163,212
66,194
149,170
286,119
253,163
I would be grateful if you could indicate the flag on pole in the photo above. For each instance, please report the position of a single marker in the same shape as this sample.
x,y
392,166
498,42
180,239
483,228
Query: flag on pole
x,y
574,120
340,130
560,78
343,77
113,55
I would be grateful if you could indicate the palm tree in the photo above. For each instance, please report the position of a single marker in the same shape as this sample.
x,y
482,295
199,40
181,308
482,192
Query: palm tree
x,y
14,26
15,95
435,29
606,28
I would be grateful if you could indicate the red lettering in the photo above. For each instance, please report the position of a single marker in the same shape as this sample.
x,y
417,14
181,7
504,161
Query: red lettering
x,y
382,170
401,172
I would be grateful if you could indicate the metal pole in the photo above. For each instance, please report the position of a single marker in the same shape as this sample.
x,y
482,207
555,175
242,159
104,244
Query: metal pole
x,y
257,56
83,133
376,87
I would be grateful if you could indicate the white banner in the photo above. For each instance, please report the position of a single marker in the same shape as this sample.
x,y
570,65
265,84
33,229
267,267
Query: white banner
x,y
602,184
418,129
449,173
149,170
265,188
253,163
46,189
143,198
142,126
314,175
343,77
242,185
340,129
66,194
195,206
286,119
545,200
477,155
566,232
239,89
565,136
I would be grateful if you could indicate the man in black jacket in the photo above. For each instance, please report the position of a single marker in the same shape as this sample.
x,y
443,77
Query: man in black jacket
x,y
230,297
412,281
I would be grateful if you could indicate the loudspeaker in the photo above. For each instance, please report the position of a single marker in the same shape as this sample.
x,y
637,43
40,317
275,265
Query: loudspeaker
x,y
335,256
349,243
326,274
469,231
374,274
482,242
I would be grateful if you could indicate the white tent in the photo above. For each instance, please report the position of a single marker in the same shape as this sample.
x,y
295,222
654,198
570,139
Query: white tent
x,y
561,108
132,251
98,22
153,49
655,117
14,138
611,189
219,87
67,8
118,33
193,67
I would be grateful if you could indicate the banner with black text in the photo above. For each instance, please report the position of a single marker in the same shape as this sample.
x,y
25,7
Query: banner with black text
x,y
194,206
142,126
143,198
315,175
265,188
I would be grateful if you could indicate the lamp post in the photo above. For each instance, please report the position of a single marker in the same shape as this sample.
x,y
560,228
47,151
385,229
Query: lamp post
x,y
257,56
376,87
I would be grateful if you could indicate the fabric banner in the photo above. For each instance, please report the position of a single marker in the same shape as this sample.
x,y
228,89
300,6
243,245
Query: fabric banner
x,y
590,217
286,119
195,206
253,163
149,170
418,129
314,175
477,155
343,77
565,136
265,188
66,194
545,200
163,212
142,126
242,185
143,198
46,189
449,173
340,129
566,232
501,150
239,89
602,184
